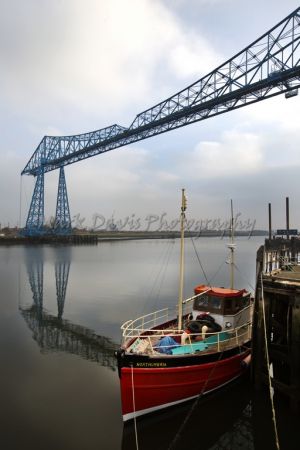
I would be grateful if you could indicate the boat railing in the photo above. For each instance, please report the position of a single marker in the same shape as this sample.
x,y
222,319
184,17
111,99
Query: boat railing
x,y
146,340
280,258
155,318
133,328
246,311
146,323
221,340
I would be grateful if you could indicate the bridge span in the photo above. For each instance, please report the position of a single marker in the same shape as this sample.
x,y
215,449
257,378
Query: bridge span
x,y
269,66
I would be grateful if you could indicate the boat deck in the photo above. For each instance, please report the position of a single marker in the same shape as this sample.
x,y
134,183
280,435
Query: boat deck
x,y
215,342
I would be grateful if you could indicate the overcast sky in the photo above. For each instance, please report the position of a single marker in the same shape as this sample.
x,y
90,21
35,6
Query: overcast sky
x,y
71,66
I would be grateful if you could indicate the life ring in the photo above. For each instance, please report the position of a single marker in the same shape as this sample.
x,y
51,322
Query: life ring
x,y
194,326
245,363
210,322
215,327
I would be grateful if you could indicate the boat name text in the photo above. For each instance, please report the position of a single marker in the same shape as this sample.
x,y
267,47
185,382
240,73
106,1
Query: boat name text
x,y
153,364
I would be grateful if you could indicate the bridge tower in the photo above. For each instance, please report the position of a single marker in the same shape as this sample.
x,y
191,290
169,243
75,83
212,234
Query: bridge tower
x,y
35,219
62,216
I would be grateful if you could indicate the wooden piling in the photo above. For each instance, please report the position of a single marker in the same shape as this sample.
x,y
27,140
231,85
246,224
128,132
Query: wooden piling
x,y
278,285
270,221
287,208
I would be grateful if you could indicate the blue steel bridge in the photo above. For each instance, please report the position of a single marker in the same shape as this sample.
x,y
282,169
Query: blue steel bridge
x,y
268,67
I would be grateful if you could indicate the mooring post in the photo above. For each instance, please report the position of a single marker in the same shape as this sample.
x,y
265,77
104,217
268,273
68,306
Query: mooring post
x,y
257,327
270,222
295,354
279,291
287,207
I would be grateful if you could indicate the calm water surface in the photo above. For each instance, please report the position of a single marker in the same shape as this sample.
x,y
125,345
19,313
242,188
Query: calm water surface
x,y
61,309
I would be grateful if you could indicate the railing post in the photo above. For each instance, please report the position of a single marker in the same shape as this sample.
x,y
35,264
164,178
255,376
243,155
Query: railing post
x,y
190,341
150,344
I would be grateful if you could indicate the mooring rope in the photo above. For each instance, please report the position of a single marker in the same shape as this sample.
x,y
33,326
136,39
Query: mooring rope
x,y
187,418
134,415
268,365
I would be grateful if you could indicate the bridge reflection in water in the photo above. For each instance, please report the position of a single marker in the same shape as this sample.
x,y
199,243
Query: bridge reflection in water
x,y
53,333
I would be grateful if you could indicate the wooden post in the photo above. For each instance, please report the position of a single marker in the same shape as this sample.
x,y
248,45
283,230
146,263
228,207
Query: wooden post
x,y
281,293
287,218
270,222
257,326
295,355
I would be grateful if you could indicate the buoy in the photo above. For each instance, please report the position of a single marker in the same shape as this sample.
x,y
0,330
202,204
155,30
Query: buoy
x,y
246,361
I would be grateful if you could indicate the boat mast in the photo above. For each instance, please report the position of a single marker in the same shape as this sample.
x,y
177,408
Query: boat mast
x,y
182,219
231,247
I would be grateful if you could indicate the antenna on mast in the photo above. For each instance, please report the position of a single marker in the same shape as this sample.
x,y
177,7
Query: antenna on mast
x,y
182,219
231,247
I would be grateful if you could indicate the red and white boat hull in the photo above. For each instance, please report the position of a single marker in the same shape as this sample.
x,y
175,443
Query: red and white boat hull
x,y
150,385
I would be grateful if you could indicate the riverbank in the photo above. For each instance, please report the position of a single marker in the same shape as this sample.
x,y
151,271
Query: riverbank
x,y
102,236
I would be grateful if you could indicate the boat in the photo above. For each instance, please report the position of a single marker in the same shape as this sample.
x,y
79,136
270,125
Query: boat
x,y
171,356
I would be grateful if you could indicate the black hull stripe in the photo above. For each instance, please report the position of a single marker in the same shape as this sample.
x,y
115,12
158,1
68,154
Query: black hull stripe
x,y
134,360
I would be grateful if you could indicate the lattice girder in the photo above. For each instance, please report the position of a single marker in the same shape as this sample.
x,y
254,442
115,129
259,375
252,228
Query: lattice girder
x,y
269,66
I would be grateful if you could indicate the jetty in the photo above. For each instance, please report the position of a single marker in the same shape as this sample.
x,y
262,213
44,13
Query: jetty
x,y
276,320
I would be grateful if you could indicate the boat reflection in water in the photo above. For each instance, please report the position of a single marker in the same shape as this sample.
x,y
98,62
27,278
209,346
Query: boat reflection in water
x,y
221,420
53,333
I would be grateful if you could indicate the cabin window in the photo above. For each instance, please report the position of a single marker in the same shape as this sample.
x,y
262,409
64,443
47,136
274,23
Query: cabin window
x,y
201,303
216,302
231,305
234,304
208,303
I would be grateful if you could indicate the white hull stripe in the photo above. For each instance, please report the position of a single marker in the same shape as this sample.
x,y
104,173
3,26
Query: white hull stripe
x,y
141,412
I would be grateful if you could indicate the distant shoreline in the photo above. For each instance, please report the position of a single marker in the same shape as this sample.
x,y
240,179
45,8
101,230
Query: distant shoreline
x,y
80,237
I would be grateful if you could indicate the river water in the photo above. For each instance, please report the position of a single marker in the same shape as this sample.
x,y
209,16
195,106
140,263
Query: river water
x,y
60,313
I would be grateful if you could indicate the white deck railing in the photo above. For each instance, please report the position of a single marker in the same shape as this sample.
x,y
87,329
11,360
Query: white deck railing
x,y
146,343
142,334
146,323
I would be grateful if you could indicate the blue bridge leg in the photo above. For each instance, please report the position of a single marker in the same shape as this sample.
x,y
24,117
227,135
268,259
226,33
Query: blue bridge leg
x,y
62,269
62,216
35,270
35,220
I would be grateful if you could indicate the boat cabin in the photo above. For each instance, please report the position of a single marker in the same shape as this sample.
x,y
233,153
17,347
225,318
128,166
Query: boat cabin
x,y
229,307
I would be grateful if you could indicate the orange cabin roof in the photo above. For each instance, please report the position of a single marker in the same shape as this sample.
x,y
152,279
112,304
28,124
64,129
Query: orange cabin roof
x,y
219,291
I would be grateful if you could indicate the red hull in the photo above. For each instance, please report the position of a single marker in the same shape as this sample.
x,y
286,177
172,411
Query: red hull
x,y
156,388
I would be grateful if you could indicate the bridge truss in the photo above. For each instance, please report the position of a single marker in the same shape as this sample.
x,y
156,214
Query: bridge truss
x,y
268,67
